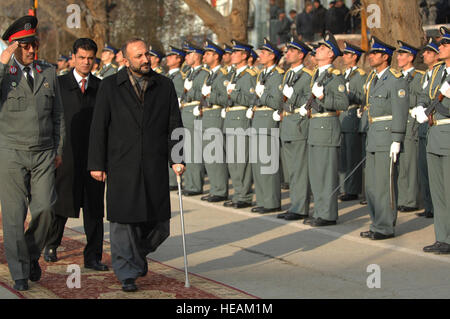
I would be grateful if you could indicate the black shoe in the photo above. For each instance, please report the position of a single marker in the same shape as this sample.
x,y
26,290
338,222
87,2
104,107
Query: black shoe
x,y
285,186
50,255
437,248
144,273
21,284
206,197
228,203
294,216
257,209
405,209
426,214
191,193
242,205
363,202
282,215
215,199
348,197
129,285
309,221
366,234
380,236
269,210
173,188
35,270
96,265
318,222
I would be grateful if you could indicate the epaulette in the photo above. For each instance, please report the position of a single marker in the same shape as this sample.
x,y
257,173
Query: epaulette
x,y
361,71
419,71
396,73
252,72
114,66
279,70
205,69
310,72
438,64
43,63
334,71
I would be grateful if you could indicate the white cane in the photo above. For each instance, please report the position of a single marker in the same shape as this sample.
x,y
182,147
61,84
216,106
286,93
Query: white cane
x,y
186,282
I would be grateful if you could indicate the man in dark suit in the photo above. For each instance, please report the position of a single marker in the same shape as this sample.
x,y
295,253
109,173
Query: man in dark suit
x,y
74,186
130,141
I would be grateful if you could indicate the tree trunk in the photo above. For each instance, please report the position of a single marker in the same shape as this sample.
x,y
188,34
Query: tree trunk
x,y
399,20
227,28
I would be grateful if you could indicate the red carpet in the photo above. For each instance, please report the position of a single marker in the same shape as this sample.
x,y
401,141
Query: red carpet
x,y
162,281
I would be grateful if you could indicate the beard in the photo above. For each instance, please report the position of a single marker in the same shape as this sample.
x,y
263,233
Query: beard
x,y
143,69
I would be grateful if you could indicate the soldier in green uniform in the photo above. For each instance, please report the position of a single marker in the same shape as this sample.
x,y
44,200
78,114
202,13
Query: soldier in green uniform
x,y
266,176
351,145
31,143
329,96
192,94
108,68
226,58
408,184
214,99
431,59
63,65
438,147
294,130
388,104
156,57
241,90
175,59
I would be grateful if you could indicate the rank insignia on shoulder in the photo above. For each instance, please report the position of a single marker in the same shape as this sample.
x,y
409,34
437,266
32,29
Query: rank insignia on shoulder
x,y
341,88
401,93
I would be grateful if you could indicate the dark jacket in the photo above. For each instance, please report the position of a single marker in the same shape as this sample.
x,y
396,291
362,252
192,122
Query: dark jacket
x,y
131,141
319,19
304,25
338,20
73,181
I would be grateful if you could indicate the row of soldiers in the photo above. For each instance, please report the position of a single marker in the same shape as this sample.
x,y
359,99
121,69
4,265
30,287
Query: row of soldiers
x,y
329,122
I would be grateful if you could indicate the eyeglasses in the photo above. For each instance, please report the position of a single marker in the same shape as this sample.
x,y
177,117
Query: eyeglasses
x,y
27,46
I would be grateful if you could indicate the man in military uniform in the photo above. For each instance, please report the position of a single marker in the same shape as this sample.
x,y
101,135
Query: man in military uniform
x,y
31,143
324,134
156,57
266,176
192,94
108,68
175,58
120,60
294,130
438,148
351,147
408,185
431,59
241,90
388,104
63,65
226,58
214,99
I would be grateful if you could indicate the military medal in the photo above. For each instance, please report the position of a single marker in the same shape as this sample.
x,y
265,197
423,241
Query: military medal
x,y
14,84
13,70
46,85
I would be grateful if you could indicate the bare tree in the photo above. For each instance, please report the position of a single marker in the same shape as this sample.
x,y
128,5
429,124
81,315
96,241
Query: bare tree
x,y
233,26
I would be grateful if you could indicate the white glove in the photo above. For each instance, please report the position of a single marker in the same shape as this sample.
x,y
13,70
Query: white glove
x,y
445,89
223,113
179,102
413,112
317,90
230,87
395,149
303,111
249,113
288,91
276,117
259,89
347,85
206,90
187,84
359,112
421,117
196,111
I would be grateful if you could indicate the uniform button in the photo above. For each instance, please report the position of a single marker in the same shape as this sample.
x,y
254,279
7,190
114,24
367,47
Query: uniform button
x,y
238,118
321,127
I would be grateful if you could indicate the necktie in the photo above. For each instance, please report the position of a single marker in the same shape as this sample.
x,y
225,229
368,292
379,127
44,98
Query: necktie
x,y
375,80
289,77
83,85
30,81
444,76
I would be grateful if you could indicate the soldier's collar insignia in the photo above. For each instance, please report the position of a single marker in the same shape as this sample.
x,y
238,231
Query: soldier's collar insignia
x,y
13,70
38,68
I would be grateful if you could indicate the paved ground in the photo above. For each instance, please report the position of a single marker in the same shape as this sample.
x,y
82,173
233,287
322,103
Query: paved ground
x,y
272,258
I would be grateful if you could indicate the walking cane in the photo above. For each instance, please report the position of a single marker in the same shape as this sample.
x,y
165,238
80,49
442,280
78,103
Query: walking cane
x,y
186,281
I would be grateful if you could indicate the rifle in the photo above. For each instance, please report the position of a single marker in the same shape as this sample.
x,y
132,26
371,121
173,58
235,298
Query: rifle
x,y
431,109
311,103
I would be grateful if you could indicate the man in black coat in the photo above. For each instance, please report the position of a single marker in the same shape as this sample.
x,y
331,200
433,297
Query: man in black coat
x,y
304,23
131,141
74,185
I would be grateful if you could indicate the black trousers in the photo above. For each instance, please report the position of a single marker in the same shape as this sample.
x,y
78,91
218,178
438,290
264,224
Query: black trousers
x,y
93,228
